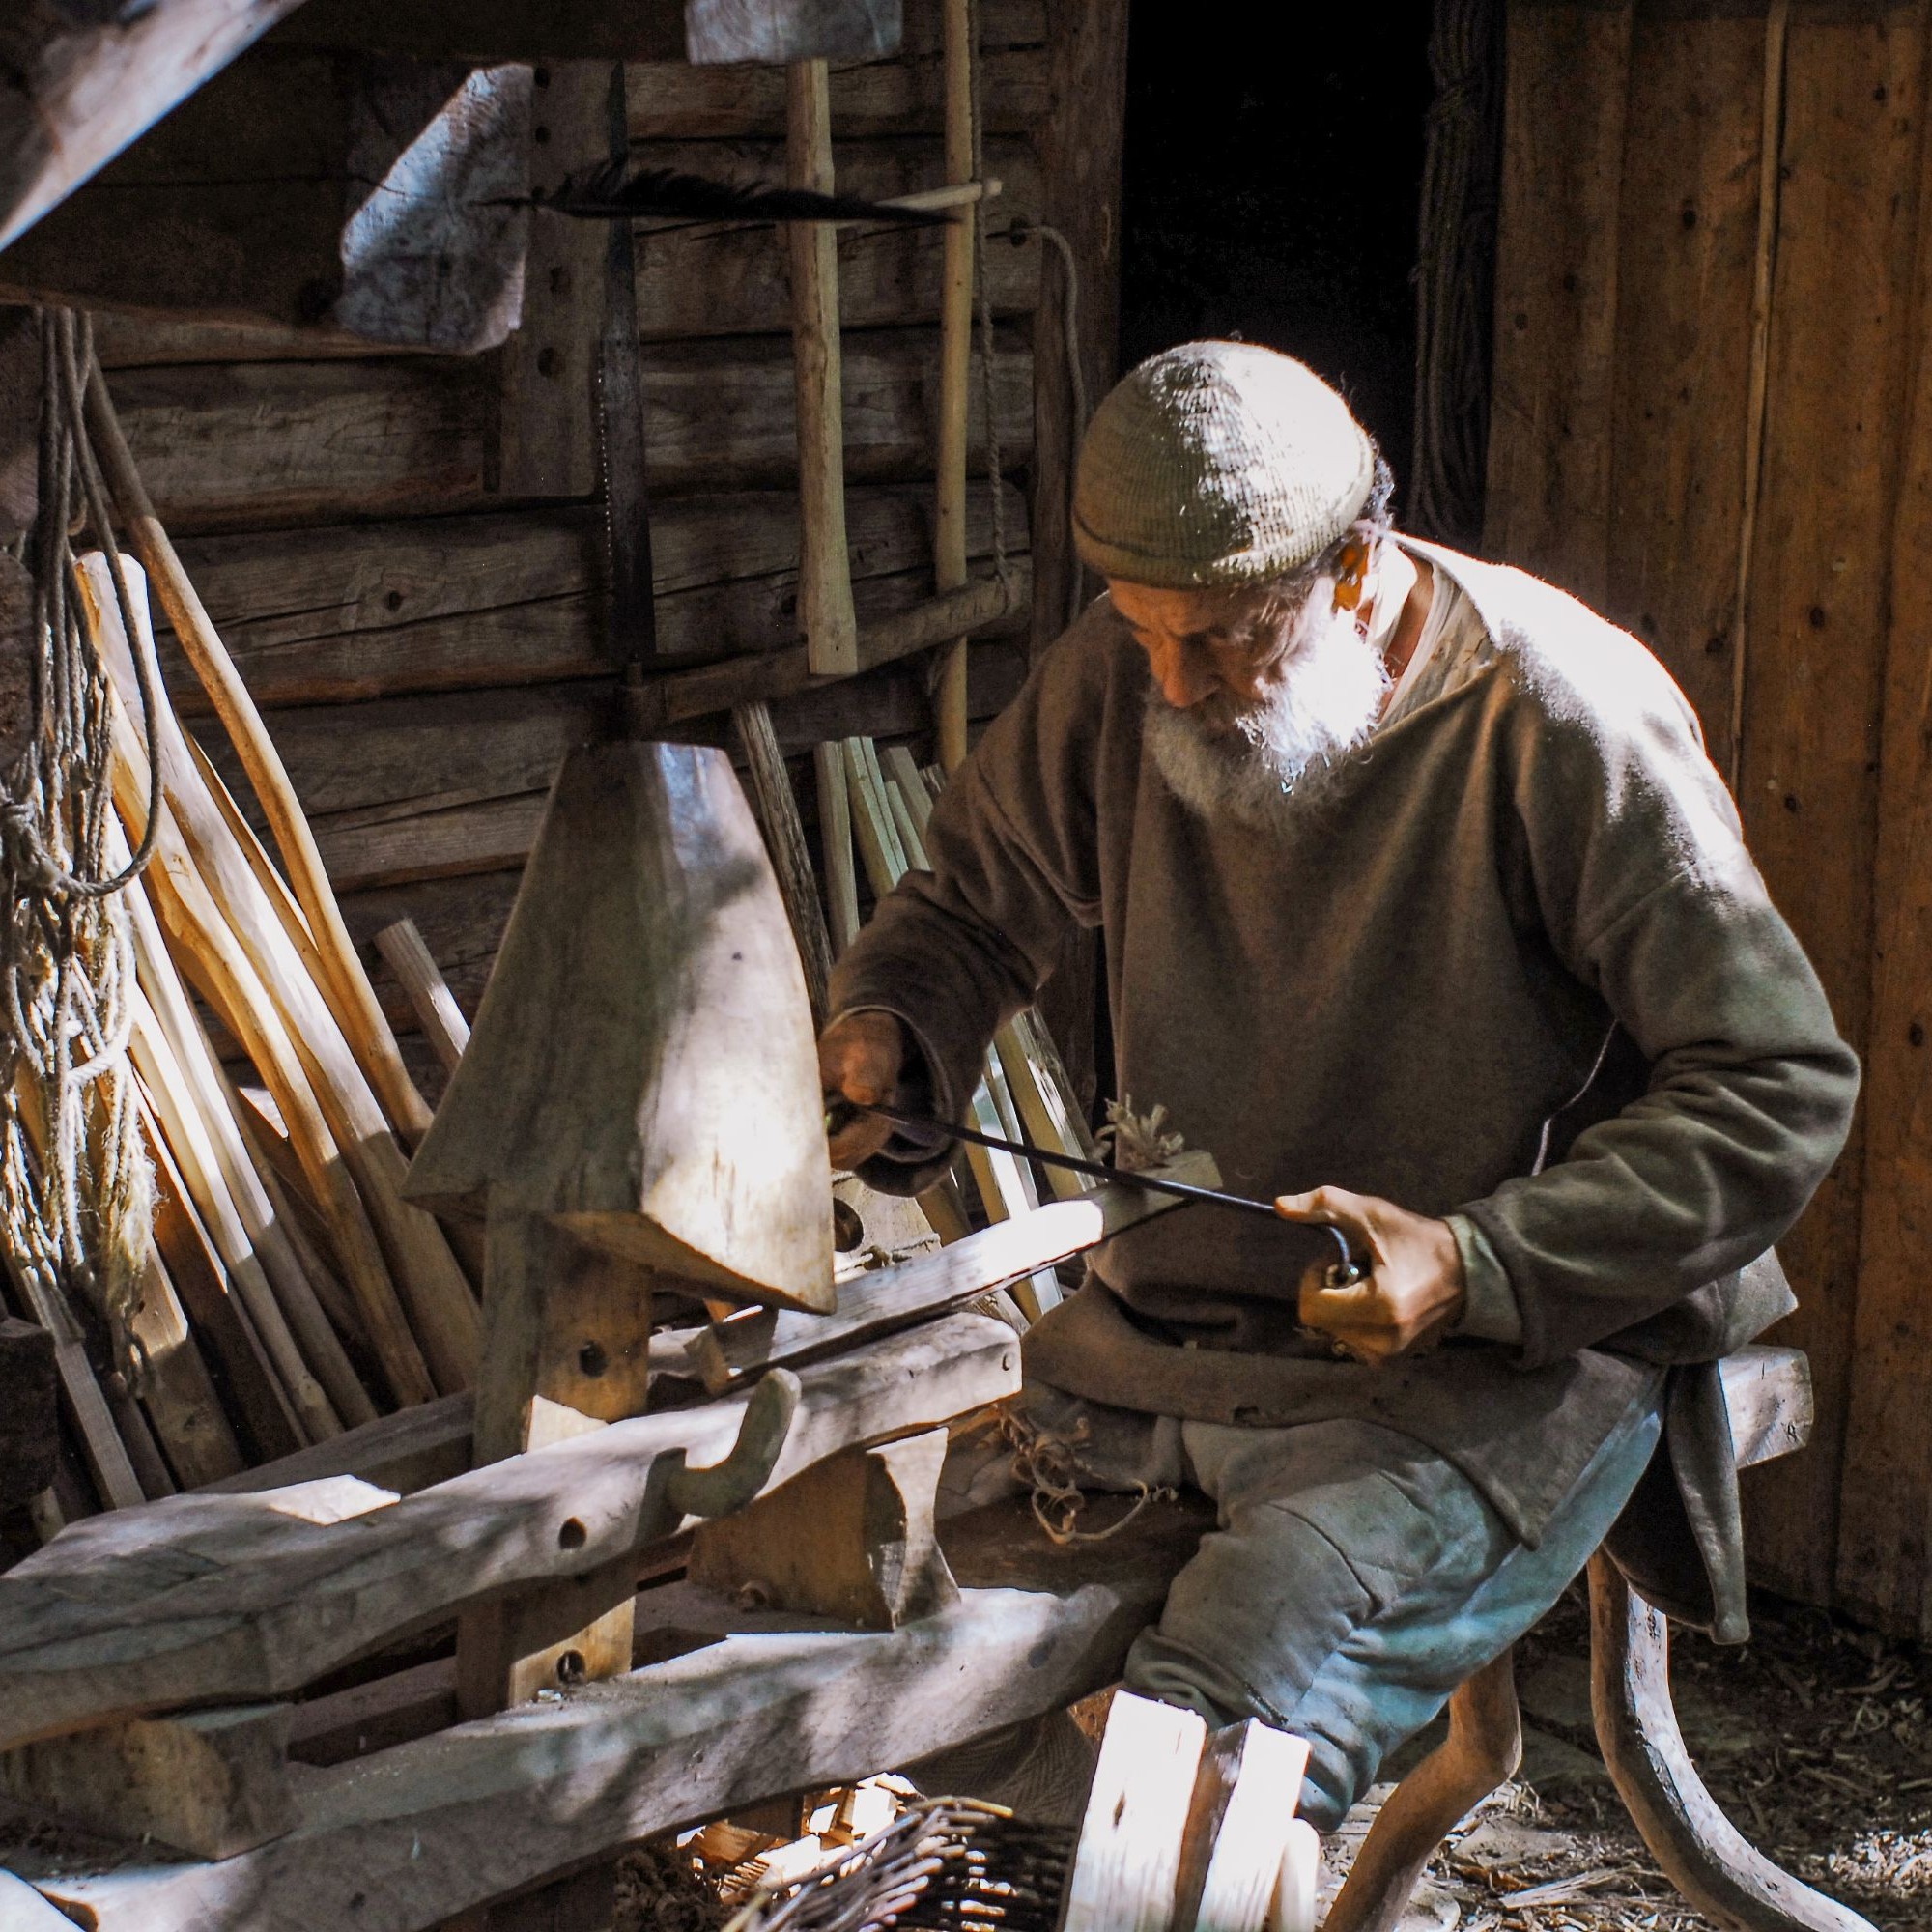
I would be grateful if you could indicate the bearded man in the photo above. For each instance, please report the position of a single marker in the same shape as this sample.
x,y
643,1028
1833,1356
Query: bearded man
x,y
1425,913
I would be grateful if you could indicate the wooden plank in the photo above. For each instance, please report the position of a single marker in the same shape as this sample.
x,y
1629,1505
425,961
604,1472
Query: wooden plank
x,y
220,1598
84,85
1080,149
242,1364
1813,689
485,1808
1239,1829
252,442
785,843
175,1388
390,206
880,97
1884,1533
1557,295
1682,370
436,603
886,1299
240,443
479,837
962,71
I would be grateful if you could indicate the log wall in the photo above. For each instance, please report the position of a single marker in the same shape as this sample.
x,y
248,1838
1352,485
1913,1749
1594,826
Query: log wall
x,y
427,643
1712,418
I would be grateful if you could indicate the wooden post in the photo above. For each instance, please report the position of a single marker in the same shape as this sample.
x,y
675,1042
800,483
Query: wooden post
x,y
955,362
824,569
546,416
568,1351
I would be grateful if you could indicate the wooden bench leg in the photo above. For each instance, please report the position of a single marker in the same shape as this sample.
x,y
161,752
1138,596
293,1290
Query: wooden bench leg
x,y
1483,1748
1701,1852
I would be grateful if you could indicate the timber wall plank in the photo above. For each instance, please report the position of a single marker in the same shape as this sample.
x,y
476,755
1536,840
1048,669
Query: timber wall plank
x,y
1623,415
1556,291
1688,248
1814,632
243,444
1885,1534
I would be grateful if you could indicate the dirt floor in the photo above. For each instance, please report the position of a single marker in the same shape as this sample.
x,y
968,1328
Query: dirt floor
x,y
1815,1738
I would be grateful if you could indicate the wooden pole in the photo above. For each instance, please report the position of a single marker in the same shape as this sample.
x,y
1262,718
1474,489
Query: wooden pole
x,y
410,959
785,842
824,568
956,356
345,984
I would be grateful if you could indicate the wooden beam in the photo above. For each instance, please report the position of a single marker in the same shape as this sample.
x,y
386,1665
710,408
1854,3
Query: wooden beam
x,y
477,1812
1885,1534
275,1603
683,101
84,83
547,420
600,30
236,444
785,842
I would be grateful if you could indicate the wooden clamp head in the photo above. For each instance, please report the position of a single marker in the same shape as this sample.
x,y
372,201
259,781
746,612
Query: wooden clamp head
x,y
643,1069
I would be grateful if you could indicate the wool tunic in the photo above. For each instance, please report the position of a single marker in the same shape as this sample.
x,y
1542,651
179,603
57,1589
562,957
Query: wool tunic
x,y
1513,967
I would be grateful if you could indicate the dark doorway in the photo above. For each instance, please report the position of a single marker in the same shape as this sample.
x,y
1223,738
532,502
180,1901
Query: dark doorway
x,y
1272,182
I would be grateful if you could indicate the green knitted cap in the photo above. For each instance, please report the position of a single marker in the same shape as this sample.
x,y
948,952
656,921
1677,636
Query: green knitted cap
x,y
1217,463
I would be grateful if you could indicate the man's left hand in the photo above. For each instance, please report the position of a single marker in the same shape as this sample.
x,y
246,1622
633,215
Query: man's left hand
x,y
1413,1291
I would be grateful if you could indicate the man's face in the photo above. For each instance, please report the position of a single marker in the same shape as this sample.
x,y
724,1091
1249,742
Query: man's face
x,y
1217,651
1256,694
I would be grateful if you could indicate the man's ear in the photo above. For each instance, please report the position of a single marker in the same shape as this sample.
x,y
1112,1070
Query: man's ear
x,y
1351,572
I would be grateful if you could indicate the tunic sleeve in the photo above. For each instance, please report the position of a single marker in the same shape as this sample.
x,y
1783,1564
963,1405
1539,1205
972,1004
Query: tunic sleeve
x,y
1637,865
954,952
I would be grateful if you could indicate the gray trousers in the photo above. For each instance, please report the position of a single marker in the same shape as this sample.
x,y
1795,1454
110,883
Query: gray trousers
x,y
1355,1580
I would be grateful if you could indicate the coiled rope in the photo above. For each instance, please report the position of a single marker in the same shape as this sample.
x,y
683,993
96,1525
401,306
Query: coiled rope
x,y
75,1186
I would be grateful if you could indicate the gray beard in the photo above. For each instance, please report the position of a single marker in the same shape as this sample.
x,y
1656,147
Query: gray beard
x,y
1265,765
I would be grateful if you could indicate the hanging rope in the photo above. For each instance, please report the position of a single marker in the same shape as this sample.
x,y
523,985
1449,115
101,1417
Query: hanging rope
x,y
75,1186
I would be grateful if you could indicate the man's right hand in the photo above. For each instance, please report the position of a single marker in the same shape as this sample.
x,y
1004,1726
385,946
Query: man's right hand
x,y
860,1058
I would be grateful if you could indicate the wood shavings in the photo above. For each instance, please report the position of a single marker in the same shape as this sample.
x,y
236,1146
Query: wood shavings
x,y
1137,1139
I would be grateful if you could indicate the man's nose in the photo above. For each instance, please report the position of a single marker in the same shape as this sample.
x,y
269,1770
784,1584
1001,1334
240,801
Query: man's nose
x,y
1184,680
